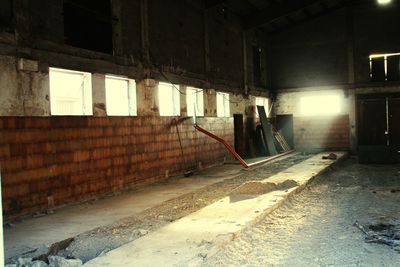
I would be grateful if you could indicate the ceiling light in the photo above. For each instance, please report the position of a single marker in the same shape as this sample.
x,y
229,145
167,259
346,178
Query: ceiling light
x,y
384,2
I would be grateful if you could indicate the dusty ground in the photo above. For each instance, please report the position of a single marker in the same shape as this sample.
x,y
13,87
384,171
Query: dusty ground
x,y
91,244
316,227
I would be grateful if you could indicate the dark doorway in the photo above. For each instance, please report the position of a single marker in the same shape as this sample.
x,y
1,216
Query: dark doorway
x,y
239,134
378,120
372,124
6,14
394,121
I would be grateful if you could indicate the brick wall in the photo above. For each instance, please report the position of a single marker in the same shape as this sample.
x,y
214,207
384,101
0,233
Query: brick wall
x,y
69,159
321,133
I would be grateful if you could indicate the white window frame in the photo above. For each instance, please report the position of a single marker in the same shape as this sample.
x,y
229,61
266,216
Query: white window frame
x,y
195,107
85,98
223,105
131,109
172,97
262,101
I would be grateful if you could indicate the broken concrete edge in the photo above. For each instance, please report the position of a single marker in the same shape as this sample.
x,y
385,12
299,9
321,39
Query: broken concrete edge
x,y
284,200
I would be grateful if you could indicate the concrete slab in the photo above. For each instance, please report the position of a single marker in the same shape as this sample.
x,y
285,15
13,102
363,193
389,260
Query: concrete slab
x,y
70,221
189,240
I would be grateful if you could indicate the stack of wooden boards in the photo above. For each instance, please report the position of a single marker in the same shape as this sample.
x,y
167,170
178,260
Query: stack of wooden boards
x,y
270,134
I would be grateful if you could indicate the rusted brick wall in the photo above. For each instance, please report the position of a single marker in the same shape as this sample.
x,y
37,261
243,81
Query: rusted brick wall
x,y
70,159
321,133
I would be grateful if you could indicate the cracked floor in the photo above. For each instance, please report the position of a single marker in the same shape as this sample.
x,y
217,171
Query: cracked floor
x,y
316,227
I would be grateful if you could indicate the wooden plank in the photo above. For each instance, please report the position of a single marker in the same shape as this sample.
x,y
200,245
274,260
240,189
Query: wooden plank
x,y
267,131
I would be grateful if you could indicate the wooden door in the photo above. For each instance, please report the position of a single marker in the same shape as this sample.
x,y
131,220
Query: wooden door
x,y
394,121
372,123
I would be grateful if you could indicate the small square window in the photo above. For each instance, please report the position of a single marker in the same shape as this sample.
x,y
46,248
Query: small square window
x,y
70,92
262,101
195,101
120,96
169,99
223,109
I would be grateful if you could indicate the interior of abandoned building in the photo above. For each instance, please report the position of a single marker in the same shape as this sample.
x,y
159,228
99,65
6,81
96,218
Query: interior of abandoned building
x,y
200,132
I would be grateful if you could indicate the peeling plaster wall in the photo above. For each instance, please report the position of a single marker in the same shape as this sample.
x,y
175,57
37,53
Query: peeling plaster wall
x,y
22,92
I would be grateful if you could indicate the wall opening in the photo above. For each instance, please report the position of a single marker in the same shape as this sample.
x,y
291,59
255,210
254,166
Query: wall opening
x,y
262,101
223,108
120,96
6,14
194,101
320,105
88,24
168,99
384,67
70,92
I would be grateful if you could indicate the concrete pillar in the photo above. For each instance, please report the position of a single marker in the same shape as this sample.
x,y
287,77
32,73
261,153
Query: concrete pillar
x,y
147,98
99,95
36,93
210,103
183,100
352,121
116,10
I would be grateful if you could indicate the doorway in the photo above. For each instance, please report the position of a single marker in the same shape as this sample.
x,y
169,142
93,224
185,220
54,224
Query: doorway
x,y
378,127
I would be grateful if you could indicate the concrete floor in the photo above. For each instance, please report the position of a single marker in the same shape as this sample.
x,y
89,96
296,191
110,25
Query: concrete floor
x,y
33,233
197,236
316,227
83,219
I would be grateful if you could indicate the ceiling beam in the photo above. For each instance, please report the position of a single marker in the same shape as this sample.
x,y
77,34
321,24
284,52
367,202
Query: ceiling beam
x,y
213,3
309,17
329,9
276,11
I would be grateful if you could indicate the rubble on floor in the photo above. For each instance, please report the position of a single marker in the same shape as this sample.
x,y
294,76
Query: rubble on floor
x,y
53,261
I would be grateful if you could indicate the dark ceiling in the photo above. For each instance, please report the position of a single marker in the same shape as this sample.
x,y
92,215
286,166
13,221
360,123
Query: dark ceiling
x,y
276,15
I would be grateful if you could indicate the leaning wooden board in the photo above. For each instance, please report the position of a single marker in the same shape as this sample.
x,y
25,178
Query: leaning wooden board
x,y
267,131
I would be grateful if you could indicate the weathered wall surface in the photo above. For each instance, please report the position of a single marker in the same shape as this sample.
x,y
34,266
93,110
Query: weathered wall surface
x,y
315,133
311,54
190,44
320,52
375,32
74,158
22,92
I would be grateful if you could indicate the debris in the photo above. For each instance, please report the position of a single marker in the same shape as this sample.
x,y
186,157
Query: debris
x,y
142,232
8,224
57,261
381,233
39,214
202,255
23,261
259,188
331,156
37,264
54,249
